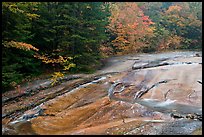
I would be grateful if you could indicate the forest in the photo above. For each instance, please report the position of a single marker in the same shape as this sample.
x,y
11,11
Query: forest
x,y
59,38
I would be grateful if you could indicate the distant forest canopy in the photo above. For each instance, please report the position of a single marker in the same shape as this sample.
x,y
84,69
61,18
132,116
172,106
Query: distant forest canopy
x,y
75,36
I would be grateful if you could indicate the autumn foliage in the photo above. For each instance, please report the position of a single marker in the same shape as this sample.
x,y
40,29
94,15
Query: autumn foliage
x,y
182,21
20,45
130,26
59,37
158,26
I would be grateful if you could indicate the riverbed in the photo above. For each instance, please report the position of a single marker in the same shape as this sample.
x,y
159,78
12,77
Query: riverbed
x,y
138,94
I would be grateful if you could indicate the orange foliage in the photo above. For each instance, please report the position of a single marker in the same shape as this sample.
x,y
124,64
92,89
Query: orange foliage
x,y
106,51
47,60
172,42
63,61
20,45
55,77
174,8
129,29
181,15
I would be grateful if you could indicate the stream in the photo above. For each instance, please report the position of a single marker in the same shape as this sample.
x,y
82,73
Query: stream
x,y
142,94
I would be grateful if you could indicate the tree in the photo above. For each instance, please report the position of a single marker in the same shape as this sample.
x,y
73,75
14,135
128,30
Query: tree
x,y
177,24
182,20
17,54
131,27
71,30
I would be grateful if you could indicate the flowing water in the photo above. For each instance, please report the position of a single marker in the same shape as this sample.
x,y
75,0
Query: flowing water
x,y
88,108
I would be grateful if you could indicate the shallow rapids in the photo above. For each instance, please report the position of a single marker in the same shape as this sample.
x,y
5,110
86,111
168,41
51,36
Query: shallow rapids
x,y
88,108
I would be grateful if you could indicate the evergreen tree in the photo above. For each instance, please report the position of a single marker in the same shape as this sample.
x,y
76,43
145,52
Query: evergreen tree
x,y
17,63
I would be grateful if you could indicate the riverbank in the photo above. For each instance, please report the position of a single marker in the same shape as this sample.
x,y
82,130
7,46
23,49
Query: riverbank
x,y
81,104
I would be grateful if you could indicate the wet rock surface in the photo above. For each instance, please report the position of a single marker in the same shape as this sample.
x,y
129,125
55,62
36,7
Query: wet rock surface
x,y
151,94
